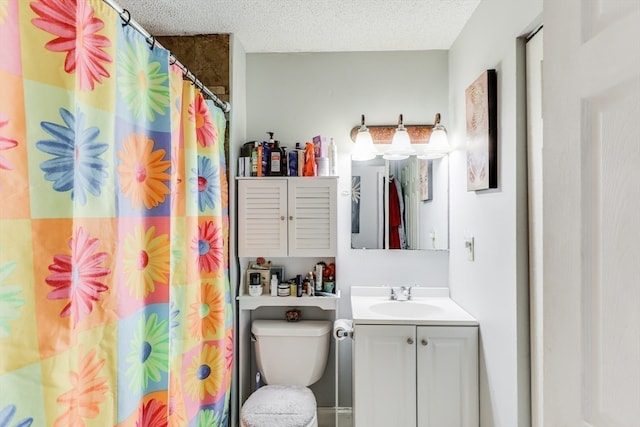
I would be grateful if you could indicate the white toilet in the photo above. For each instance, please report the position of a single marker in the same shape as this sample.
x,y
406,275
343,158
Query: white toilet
x,y
290,357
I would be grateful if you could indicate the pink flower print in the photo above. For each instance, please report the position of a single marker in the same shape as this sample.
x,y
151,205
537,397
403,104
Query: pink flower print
x,y
77,30
76,277
5,144
206,132
208,246
152,414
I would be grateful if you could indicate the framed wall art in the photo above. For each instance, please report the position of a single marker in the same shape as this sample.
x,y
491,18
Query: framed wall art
x,y
355,204
425,176
279,272
482,136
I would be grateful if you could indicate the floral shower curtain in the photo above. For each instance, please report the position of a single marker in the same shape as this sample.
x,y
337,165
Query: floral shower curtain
x,y
114,289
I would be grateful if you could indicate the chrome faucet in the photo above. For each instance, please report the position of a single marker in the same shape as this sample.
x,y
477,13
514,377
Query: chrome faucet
x,y
402,294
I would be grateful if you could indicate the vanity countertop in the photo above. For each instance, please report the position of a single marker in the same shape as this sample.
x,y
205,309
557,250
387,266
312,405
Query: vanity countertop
x,y
428,306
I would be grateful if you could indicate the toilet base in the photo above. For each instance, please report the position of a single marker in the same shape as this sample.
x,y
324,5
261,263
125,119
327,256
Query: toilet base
x,y
280,406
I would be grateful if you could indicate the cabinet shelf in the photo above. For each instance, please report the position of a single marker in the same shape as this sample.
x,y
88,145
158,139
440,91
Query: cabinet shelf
x,y
248,302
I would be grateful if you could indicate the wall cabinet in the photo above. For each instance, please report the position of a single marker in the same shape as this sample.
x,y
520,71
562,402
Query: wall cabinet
x,y
280,217
407,376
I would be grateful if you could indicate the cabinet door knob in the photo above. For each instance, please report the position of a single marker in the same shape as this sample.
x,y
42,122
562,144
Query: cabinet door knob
x,y
290,217
409,340
282,218
424,342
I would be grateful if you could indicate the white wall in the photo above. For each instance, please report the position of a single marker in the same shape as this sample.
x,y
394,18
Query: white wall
x,y
298,96
494,288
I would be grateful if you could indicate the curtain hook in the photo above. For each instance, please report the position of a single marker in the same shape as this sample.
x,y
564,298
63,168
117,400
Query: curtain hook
x,y
152,42
172,59
126,21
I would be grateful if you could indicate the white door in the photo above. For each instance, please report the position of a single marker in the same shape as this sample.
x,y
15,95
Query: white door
x,y
384,367
447,360
591,213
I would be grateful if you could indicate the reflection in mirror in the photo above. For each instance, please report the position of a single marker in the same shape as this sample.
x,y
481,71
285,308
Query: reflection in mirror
x,y
400,204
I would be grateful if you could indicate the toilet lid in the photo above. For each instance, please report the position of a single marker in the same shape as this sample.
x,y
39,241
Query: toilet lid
x,y
279,406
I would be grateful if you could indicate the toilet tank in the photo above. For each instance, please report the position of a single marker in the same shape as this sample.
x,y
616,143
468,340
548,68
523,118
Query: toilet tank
x,y
292,353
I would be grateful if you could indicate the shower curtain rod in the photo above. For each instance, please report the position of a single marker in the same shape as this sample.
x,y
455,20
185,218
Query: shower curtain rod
x,y
125,15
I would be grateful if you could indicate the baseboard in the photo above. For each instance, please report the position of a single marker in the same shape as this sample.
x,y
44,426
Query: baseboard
x,y
336,409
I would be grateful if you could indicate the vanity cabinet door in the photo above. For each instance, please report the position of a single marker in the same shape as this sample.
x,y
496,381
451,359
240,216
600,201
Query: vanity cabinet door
x,y
262,218
312,217
447,390
384,368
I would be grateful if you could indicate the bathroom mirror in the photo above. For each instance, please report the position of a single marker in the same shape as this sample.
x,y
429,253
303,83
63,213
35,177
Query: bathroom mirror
x,y
400,204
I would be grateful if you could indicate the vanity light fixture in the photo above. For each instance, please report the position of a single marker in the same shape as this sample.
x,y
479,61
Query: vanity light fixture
x,y
401,144
364,149
438,145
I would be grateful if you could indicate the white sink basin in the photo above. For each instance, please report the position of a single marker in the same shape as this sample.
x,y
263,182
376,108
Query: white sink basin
x,y
404,309
428,306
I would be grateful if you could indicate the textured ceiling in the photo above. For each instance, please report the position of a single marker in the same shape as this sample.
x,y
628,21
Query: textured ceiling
x,y
311,25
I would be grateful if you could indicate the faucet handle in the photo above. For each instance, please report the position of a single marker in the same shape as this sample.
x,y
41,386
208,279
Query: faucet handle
x,y
392,292
410,288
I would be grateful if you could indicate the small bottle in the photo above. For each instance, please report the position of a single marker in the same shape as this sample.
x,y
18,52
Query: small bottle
x,y
318,273
284,161
333,158
310,167
299,285
275,157
274,285
263,166
255,159
306,285
312,285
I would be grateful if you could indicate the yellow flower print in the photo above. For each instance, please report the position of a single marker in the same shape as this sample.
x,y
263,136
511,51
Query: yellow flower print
x,y
205,373
146,260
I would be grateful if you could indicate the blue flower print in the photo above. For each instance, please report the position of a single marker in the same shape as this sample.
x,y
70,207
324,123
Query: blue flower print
x,y
7,413
76,164
207,183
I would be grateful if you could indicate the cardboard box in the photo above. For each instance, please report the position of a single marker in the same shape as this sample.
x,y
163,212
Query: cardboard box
x,y
265,277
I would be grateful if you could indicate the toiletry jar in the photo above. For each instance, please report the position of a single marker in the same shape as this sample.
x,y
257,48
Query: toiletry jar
x,y
255,290
283,290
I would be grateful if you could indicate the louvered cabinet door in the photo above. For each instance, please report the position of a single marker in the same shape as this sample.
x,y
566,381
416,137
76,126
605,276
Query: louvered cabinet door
x,y
262,218
312,217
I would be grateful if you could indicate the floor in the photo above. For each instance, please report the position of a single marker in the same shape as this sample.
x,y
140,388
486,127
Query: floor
x,y
332,417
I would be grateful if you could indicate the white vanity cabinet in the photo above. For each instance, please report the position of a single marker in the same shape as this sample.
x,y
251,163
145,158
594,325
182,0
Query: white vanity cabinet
x,y
288,216
408,375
